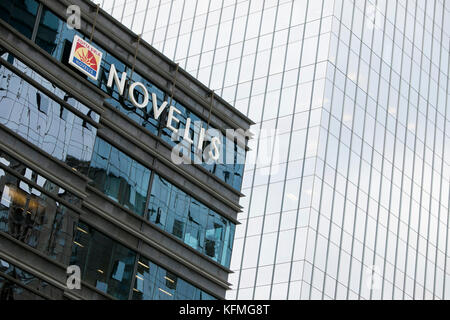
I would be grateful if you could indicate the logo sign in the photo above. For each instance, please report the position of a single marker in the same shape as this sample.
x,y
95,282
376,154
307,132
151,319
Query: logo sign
x,y
85,57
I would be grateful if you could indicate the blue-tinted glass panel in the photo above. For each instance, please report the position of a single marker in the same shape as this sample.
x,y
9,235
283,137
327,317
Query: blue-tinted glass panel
x,y
21,14
191,221
120,177
104,263
12,291
155,283
43,121
33,217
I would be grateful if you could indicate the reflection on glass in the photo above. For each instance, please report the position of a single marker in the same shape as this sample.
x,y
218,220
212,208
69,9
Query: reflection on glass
x,y
10,290
21,14
120,177
33,217
54,37
104,263
191,221
109,267
43,121
154,283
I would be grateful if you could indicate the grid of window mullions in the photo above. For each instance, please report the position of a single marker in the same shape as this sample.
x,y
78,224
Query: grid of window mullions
x,y
257,150
307,135
432,176
402,183
387,162
441,169
392,170
334,187
411,198
271,161
444,296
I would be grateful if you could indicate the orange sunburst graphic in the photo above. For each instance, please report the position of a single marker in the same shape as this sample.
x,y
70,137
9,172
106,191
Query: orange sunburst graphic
x,y
86,56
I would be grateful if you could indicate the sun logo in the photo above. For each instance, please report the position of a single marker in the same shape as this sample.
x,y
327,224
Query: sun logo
x,y
85,56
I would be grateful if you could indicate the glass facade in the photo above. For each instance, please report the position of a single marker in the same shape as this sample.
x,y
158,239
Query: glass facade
x,y
126,181
104,263
53,35
354,202
38,115
119,176
17,284
20,14
110,267
42,118
188,219
36,211
155,283
42,215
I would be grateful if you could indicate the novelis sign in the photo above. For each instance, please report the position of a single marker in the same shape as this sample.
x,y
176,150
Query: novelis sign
x,y
87,59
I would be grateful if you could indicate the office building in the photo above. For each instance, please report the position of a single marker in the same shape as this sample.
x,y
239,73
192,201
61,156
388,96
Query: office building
x,y
88,117
354,203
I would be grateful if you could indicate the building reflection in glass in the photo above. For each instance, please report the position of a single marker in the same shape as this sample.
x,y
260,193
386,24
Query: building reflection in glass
x,y
43,121
31,210
17,284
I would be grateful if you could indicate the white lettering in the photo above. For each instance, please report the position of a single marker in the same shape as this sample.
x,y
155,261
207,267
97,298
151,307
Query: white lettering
x,y
114,76
171,118
186,135
214,142
133,100
157,111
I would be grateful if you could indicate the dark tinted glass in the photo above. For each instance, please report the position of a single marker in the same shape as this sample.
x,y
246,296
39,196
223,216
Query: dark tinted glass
x,y
32,216
42,120
155,283
21,14
120,177
180,214
104,263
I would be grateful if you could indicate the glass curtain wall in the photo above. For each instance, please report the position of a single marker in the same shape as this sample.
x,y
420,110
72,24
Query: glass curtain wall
x,y
354,201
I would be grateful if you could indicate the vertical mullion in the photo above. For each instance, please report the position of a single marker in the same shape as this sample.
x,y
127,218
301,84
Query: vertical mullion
x,y
134,15
394,156
403,167
240,60
422,182
36,22
192,31
156,22
371,163
257,150
433,158
203,39
145,17
168,25
355,216
215,45
414,166
334,182
179,30
229,45
383,160
443,179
